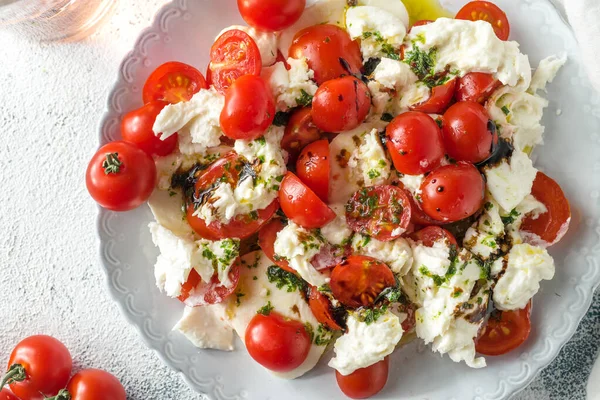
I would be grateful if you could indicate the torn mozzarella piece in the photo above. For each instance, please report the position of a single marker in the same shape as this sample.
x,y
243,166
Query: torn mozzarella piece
x,y
206,328
484,237
397,253
381,32
337,231
459,343
546,72
510,181
290,87
394,7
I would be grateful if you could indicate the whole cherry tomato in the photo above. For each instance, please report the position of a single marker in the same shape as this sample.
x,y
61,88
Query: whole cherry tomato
x,y
95,384
271,15
299,132
137,127
365,382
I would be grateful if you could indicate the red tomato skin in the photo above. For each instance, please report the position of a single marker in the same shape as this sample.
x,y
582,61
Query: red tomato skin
x,y
440,99
519,324
299,132
162,84
249,108
95,384
271,15
466,134
137,126
126,189
302,205
489,12
453,192
6,394
35,354
323,46
415,143
365,382
341,104
266,240
277,343
321,309
476,87
196,293
431,234
313,168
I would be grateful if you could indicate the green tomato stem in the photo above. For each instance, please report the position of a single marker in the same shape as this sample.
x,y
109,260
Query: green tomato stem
x,y
16,373
62,395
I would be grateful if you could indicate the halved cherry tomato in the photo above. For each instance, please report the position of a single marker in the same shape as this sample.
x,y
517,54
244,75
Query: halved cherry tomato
x,y
440,99
431,234
195,293
504,332
120,176
28,372
299,132
137,126
466,132
226,170
415,143
271,15
453,192
321,309
6,394
382,212
277,343
358,281
418,216
422,23
551,226
95,384
233,54
173,82
266,240
313,168
476,87
480,10
341,104
365,382
323,46
302,205
249,108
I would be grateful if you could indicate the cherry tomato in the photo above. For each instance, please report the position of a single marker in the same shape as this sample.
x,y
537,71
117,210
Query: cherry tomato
x,y
480,10
313,168
233,54
302,205
120,176
196,293
29,374
6,394
551,226
415,143
299,132
266,240
173,82
341,104
358,281
476,87
226,170
504,332
137,126
431,234
323,46
453,192
95,384
322,309
422,23
382,212
249,108
365,382
466,134
281,58
440,99
277,343
271,15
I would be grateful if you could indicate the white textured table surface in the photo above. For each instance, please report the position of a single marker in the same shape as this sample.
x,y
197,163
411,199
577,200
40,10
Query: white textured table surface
x,y
51,101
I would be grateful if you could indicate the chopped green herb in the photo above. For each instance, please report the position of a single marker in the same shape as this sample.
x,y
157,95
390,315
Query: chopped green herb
x,y
511,218
371,315
283,278
172,193
305,100
238,298
373,174
261,140
505,110
266,309
488,206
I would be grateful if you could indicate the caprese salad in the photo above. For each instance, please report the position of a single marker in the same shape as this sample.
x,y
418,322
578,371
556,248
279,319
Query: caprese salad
x,y
340,177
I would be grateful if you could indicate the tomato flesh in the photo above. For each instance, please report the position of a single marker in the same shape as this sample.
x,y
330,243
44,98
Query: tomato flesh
x,y
440,99
266,240
504,332
271,15
195,293
95,384
365,382
322,310
476,87
173,82
302,205
299,132
480,10
313,168
137,127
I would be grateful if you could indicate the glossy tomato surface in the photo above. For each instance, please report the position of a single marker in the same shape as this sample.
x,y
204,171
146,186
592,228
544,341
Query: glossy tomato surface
x,y
313,168
266,240
137,128
95,384
271,15
476,87
322,309
302,205
480,10
440,99
432,234
299,132
466,132
365,382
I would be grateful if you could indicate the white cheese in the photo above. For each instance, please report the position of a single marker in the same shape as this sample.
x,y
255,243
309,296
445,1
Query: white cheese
x,y
380,31
197,121
397,254
337,231
366,344
206,328
510,181
381,98
290,86
218,256
395,7
267,42
394,74
412,183
546,72
459,343
167,166
483,238
531,207
527,266
167,208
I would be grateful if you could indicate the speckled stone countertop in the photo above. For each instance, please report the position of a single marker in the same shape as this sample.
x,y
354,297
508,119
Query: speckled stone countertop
x,y
51,102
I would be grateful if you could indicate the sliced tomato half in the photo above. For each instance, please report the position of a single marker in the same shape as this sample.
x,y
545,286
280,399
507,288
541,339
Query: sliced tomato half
x,y
441,97
480,10
322,309
504,332
173,82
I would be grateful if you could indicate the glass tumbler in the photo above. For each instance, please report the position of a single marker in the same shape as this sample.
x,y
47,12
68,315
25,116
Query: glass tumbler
x,y
54,20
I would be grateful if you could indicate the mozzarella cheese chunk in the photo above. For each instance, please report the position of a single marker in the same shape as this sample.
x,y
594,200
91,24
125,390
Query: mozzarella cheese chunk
x,y
546,72
206,328
265,41
380,97
290,87
397,254
483,238
167,208
337,231
458,342
510,181
197,121
394,74
167,166
256,291
467,46
381,33
366,344
412,183
530,206
527,267
394,7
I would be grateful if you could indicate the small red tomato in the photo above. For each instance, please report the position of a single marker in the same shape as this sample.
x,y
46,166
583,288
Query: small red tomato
x,y
121,176
453,192
466,132
504,332
431,234
266,240
440,99
249,108
476,87
313,168
173,82
196,293
415,143
302,205
322,309
341,104
137,126
299,132
271,15
365,382
277,343
480,10
95,384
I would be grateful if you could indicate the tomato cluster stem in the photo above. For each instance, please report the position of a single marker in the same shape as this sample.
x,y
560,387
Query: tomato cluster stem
x,y
16,373
62,395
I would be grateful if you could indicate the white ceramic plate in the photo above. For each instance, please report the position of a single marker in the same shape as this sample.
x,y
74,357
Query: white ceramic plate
x,y
184,31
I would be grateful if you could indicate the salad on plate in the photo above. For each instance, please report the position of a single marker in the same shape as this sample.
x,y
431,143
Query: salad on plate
x,y
339,179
